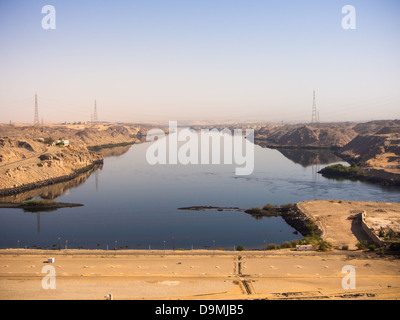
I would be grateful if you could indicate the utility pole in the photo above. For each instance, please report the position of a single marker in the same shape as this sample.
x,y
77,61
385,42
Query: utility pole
x,y
36,120
265,243
213,247
314,117
95,112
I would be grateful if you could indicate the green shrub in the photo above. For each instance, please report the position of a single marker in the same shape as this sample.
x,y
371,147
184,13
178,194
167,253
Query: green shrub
x,y
257,210
362,244
269,207
240,247
286,244
312,228
34,203
48,140
372,247
273,246
294,243
339,170
324,246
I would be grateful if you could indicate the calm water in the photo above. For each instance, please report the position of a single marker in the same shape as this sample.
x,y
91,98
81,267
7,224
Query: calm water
x,y
129,203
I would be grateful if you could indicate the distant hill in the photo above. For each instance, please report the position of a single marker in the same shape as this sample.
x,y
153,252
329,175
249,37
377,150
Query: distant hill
x,y
374,146
321,136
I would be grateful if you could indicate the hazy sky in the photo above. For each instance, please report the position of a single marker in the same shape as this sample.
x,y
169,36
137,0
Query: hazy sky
x,y
199,60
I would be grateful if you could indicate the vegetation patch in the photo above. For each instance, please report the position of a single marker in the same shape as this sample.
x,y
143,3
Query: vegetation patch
x,y
389,235
315,240
312,234
39,203
110,145
268,210
341,171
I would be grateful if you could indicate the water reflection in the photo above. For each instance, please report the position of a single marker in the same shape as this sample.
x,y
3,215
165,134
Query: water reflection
x,y
50,192
114,152
136,204
308,157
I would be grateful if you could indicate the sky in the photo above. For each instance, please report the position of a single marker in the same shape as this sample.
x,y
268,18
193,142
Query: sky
x,y
220,60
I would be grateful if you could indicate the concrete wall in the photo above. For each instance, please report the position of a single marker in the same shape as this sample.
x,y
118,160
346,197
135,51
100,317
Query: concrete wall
x,y
369,231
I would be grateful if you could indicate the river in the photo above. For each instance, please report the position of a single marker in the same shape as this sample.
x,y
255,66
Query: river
x,y
129,203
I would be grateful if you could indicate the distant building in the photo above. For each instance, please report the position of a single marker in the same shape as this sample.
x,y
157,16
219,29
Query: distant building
x,y
304,247
63,142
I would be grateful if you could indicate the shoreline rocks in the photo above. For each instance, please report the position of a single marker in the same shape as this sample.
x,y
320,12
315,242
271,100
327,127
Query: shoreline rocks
x,y
46,182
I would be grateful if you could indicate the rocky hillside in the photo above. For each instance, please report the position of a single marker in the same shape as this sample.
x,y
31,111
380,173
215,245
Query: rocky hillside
x,y
376,152
373,146
373,127
28,159
28,163
88,135
321,136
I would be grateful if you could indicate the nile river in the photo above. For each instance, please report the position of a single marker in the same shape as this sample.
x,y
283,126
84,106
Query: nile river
x,y
129,203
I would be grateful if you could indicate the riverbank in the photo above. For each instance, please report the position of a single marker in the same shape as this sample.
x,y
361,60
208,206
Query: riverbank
x,y
338,223
378,176
327,224
30,158
17,189
110,145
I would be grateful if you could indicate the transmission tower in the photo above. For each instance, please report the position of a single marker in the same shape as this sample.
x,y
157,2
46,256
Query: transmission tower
x,y
95,112
314,117
36,120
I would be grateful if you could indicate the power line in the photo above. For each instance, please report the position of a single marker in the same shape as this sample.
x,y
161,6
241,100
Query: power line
x,y
36,120
315,115
95,112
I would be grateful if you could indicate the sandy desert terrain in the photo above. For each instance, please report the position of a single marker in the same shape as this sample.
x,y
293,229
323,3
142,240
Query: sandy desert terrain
x,y
282,274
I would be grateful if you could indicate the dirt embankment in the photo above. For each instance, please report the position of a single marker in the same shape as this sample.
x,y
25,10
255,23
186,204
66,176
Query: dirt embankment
x,y
29,160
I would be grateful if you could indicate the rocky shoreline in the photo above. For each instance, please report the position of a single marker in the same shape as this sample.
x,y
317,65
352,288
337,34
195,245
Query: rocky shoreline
x,y
298,220
292,215
46,182
375,176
